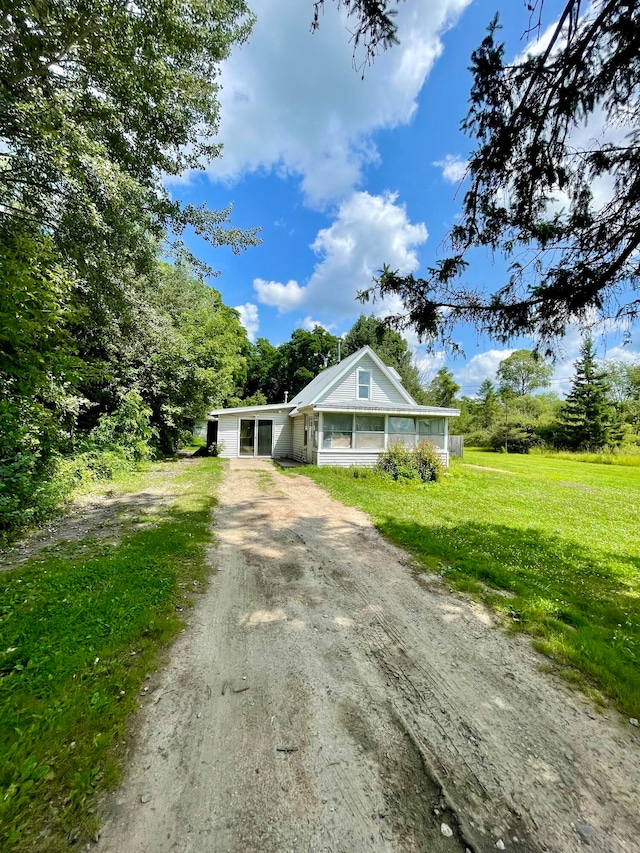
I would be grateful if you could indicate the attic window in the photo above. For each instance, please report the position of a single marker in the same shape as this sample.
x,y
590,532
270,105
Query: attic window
x,y
364,385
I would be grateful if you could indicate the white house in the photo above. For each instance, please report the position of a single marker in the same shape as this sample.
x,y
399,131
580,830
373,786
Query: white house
x,y
345,416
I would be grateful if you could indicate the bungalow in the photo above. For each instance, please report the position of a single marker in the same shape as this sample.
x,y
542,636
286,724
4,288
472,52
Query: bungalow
x,y
345,416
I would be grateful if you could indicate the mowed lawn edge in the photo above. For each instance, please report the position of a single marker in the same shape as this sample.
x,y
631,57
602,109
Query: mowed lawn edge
x,y
550,544
82,626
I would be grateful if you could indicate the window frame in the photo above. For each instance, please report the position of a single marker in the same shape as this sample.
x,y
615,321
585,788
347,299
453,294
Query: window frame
x,y
360,384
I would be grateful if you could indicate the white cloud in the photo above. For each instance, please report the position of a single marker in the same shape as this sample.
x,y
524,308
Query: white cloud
x,y
284,297
249,319
291,101
454,168
309,324
367,231
480,367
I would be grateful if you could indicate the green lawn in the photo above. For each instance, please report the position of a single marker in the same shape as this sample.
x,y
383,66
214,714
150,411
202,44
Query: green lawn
x,y
562,537
81,626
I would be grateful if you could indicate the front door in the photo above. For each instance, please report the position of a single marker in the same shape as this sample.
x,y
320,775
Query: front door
x,y
247,437
256,438
265,438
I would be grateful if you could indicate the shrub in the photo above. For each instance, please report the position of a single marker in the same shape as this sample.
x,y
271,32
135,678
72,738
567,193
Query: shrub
x,y
428,462
403,463
215,448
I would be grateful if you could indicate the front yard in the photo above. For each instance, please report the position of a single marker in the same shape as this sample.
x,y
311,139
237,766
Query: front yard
x,y
552,544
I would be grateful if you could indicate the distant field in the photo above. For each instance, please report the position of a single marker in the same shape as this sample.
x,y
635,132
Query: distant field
x,y
561,537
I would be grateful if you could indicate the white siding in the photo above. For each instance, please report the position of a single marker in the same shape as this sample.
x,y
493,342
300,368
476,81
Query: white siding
x,y
298,450
364,459
281,435
383,391
229,432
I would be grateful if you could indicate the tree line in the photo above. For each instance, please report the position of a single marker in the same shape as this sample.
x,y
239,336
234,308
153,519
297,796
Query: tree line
x,y
514,412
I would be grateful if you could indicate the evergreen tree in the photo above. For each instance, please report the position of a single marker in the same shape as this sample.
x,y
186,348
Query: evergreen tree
x,y
587,420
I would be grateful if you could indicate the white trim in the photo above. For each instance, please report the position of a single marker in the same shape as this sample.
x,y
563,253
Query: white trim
x,y
348,365
268,407
360,384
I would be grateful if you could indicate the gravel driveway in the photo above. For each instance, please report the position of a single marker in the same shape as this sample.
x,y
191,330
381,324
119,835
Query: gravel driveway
x,y
327,697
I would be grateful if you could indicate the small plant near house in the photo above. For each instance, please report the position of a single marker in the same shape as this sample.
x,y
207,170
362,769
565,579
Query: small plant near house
x,y
402,463
215,448
428,462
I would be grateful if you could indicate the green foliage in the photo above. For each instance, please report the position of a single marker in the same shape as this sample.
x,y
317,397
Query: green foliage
x,y
272,371
126,429
82,625
588,420
442,390
523,372
98,102
574,587
401,463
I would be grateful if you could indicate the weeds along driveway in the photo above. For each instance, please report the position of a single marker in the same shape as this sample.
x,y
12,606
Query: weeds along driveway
x,y
327,697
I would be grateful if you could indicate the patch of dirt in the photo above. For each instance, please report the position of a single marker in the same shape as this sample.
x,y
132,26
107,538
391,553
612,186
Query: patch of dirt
x,y
322,700
95,516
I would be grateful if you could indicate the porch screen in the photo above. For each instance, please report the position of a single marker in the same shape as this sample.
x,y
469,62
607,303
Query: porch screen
x,y
370,432
431,426
403,430
336,430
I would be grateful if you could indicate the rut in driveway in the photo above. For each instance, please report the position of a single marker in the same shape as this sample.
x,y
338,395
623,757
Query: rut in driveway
x,y
323,699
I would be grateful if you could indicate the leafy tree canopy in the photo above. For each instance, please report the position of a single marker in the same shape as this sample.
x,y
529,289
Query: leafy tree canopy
x,y
531,199
98,100
442,389
523,372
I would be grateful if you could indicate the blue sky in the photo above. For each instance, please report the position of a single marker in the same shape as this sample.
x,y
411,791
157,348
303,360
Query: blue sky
x,y
344,174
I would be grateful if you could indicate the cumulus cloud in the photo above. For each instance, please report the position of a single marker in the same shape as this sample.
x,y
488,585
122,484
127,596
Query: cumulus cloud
x,y
284,297
309,324
453,168
249,319
291,101
480,367
367,231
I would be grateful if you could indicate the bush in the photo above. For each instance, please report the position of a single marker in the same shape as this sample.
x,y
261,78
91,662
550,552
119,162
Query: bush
x,y
215,448
428,462
403,463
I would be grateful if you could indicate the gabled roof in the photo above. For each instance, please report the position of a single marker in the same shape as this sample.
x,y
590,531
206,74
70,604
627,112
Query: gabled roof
x,y
312,392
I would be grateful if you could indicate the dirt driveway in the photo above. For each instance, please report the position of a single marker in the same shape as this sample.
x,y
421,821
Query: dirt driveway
x,y
328,698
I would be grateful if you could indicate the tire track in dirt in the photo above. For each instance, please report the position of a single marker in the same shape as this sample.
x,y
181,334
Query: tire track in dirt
x,y
324,700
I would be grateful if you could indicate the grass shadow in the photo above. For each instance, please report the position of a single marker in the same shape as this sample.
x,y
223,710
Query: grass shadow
x,y
582,605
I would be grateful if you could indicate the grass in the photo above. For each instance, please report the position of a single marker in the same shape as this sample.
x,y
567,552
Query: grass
x,y
81,627
629,456
560,537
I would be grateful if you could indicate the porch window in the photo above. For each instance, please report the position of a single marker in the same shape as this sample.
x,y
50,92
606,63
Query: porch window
x,y
431,426
337,431
369,432
403,430
364,384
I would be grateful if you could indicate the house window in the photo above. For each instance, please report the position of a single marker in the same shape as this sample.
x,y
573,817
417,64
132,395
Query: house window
x,y
337,431
314,429
364,384
306,430
403,430
369,432
431,426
